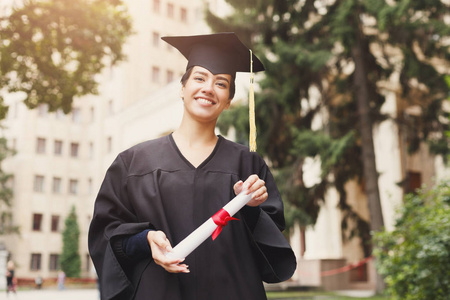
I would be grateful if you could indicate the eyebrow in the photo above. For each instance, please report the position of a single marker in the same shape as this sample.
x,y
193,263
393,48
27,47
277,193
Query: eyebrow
x,y
218,77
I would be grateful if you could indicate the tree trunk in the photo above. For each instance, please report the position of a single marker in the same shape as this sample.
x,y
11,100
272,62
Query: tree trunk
x,y
368,152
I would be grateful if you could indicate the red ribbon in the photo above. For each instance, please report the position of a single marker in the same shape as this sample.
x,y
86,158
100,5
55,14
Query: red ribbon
x,y
221,219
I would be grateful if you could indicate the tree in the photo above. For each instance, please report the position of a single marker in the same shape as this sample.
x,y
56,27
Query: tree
x,y
415,257
52,49
6,192
344,51
70,257
447,133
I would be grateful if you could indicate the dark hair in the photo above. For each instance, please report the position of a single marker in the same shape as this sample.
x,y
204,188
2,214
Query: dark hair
x,y
188,74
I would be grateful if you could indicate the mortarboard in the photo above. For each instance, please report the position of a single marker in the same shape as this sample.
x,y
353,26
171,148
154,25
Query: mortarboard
x,y
221,53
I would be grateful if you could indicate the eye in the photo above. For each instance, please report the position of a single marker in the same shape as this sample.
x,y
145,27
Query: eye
x,y
199,78
222,84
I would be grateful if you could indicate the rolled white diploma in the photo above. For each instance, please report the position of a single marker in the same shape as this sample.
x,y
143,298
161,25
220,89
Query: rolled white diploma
x,y
199,235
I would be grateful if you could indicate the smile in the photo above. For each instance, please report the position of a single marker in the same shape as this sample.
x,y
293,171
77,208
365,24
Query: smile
x,y
205,101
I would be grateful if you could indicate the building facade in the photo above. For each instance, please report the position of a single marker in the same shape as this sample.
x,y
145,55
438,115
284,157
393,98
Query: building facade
x,y
61,159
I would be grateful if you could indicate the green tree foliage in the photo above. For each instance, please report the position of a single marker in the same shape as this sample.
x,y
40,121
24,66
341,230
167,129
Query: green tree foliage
x,y
70,257
415,257
6,192
52,49
330,59
447,133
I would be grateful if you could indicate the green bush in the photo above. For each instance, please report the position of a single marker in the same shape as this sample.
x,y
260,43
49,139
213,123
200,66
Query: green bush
x,y
415,258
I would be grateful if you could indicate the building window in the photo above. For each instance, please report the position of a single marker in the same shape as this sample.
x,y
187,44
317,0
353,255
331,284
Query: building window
x,y
109,144
155,74
38,183
6,220
88,262
40,145
170,76
156,6
74,149
59,114
413,181
90,186
92,113
55,224
35,264
53,262
73,186
170,10
76,115
56,185
110,107
37,222
155,39
58,147
16,109
42,110
302,241
183,15
91,150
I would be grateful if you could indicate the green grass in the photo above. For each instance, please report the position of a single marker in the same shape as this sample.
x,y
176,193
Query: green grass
x,y
316,295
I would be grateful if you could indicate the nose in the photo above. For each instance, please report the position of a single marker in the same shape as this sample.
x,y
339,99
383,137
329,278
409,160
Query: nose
x,y
208,87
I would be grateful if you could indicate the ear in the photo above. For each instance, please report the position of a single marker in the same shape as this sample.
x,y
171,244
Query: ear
x,y
182,93
228,104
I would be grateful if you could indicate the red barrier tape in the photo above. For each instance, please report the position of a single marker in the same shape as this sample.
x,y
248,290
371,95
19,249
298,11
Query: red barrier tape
x,y
339,270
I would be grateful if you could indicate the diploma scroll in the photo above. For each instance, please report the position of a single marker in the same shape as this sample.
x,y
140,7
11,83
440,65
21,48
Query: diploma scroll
x,y
198,236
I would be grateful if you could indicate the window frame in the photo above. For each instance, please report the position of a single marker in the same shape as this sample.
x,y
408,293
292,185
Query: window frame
x,y
35,262
73,186
37,222
41,145
39,183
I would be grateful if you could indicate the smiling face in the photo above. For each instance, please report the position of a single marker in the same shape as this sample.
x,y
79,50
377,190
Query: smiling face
x,y
206,95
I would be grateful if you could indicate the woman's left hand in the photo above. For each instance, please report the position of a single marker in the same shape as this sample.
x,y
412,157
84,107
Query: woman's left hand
x,y
254,185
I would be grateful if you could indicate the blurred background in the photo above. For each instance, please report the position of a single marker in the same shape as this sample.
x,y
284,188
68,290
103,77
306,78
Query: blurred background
x,y
352,115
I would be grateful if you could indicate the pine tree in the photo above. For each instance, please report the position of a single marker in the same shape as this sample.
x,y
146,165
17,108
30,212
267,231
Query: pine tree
x,y
343,51
70,257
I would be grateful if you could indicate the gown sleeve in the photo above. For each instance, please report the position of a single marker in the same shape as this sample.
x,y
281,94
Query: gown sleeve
x,y
113,220
265,223
136,247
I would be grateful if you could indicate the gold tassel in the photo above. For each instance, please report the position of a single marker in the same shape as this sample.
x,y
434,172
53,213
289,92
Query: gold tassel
x,y
251,105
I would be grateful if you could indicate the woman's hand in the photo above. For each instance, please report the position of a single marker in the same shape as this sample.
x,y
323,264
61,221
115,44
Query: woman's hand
x,y
160,245
252,185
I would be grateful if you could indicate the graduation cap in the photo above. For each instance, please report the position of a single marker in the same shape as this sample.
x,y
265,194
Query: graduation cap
x,y
221,53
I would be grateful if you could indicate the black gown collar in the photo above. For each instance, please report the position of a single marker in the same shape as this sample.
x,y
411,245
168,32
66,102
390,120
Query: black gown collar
x,y
211,156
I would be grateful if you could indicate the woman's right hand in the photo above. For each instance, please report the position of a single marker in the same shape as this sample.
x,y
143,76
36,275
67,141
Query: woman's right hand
x,y
160,245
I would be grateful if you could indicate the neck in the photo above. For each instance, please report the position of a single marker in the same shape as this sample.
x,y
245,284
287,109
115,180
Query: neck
x,y
195,133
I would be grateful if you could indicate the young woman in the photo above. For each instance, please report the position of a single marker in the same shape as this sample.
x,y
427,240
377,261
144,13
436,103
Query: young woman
x,y
158,192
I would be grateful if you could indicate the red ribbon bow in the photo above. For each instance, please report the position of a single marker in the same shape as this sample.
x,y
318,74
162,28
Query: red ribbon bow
x,y
221,219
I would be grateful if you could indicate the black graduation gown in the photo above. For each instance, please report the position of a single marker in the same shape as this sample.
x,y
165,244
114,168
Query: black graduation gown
x,y
152,185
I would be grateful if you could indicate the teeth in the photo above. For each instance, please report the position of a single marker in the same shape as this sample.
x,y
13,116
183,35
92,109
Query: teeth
x,y
205,101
